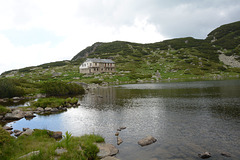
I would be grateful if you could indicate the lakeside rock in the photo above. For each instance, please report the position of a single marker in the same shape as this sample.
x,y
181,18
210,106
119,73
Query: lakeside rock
x,y
29,114
106,150
24,129
28,132
147,141
56,135
7,128
15,115
18,133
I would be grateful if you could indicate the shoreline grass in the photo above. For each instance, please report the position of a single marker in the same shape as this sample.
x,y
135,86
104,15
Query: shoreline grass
x,y
77,147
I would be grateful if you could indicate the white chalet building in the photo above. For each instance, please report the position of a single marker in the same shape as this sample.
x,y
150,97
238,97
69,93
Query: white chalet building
x,y
97,65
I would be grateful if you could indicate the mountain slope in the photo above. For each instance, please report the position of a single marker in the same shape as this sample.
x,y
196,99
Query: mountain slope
x,y
226,36
174,58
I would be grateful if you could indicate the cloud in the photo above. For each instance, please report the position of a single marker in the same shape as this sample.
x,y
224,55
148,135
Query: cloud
x,y
34,32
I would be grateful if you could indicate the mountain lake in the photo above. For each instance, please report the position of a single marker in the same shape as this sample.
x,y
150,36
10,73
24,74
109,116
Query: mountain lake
x,y
186,118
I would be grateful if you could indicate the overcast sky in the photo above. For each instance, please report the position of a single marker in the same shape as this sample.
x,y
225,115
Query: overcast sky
x,y
33,32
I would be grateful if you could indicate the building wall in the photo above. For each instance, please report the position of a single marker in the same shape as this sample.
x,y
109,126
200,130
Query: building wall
x,y
90,67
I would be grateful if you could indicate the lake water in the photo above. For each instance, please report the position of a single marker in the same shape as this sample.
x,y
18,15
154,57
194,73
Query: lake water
x,y
186,118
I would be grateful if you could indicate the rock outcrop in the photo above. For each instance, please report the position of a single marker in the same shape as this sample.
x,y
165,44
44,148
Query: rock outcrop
x,y
229,60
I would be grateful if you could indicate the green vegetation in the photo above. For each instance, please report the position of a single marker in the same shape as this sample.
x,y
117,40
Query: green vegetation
x,y
10,88
77,147
181,58
53,102
3,110
59,88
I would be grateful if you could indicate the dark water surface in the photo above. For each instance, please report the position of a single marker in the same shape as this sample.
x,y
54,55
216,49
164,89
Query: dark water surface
x,y
186,118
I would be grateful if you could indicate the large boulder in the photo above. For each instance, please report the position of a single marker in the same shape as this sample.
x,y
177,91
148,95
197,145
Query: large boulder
x,y
106,149
147,141
29,114
57,135
15,115
28,132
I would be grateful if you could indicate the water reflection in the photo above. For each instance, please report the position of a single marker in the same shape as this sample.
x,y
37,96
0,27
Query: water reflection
x,y
186,118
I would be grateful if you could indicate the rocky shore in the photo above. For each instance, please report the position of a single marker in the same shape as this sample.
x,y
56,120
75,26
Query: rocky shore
x,y
29,113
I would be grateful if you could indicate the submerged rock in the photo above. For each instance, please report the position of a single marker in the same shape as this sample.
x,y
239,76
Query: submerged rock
x,y
204,155
147,141
226,154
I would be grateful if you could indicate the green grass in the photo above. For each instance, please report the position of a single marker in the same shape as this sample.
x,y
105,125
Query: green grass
x,y
77,147
3,110
53,102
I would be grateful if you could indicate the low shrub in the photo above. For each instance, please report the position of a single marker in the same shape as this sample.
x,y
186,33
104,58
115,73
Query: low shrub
x,y
49,102
96,81
72,100
53,102
59,88
3,110
9,89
